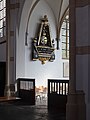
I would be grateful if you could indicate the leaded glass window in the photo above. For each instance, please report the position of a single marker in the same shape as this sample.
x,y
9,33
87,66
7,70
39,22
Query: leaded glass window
x,y
2,18
65,37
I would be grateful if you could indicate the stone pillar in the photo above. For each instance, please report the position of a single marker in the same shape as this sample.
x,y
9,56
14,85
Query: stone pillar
x,y
75,108
12,7
7,85
71,107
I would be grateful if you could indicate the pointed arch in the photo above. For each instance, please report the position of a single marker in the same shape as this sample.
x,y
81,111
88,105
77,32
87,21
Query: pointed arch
x,y
30,12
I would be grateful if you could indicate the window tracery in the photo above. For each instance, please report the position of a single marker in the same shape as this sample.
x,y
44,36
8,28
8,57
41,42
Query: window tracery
x,y
2,18
65,37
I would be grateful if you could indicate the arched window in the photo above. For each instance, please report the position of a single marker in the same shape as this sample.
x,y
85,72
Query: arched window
x,y
2,18
65,37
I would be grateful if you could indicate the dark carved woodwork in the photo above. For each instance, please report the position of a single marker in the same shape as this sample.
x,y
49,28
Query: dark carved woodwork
x,y
57,94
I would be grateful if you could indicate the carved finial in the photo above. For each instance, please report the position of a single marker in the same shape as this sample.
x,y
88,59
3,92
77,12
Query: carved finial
x,y
45,19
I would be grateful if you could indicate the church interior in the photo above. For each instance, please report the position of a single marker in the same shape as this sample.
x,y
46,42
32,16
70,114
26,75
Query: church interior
x,y
44,60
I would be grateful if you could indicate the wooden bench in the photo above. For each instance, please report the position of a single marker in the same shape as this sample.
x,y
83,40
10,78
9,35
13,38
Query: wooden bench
x,y
26,90
9,99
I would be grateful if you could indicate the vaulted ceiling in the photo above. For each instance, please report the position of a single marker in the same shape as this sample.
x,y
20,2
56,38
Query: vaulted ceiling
x,y
58,7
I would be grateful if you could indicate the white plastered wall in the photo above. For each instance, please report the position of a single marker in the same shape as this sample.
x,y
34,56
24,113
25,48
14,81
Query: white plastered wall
x,y
25,67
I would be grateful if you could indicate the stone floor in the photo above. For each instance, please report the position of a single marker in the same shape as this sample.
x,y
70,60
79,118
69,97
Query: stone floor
x,y
24,112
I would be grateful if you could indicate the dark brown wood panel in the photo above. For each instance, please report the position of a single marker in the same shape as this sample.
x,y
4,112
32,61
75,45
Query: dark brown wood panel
x,y
57,94
26,90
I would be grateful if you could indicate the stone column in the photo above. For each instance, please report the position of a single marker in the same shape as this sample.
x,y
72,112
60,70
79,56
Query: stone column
x,y
12,8
7,85
71,107
74,106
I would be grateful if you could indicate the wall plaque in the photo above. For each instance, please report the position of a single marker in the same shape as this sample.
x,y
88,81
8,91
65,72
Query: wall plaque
x,y
43,46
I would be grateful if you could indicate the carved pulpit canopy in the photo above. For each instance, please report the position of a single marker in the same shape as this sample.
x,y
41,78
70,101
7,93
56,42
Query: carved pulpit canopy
x,y
43,46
